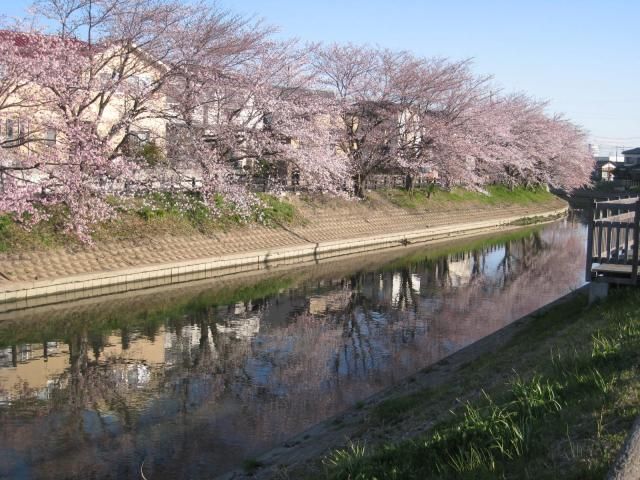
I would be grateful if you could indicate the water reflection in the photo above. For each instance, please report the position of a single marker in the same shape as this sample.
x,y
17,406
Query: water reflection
x,y
193,389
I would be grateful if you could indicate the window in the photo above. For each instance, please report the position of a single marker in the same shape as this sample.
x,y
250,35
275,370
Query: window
x,y
104,78
9,129
205,115
139,82
16,131
137,140
144,81
143,136
23,128
50,137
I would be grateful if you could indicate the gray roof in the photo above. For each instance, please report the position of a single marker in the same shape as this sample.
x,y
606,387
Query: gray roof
x,y
633,151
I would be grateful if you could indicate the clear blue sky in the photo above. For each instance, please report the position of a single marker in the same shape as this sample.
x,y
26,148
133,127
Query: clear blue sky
x,y
583,56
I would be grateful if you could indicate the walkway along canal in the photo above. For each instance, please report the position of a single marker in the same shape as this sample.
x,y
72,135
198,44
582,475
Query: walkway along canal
x,y
193,381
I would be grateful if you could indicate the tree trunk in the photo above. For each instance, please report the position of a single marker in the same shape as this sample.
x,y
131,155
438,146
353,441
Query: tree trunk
x,y
358,185
408,182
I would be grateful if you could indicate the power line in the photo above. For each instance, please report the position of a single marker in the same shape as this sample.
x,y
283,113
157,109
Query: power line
x,y
615,139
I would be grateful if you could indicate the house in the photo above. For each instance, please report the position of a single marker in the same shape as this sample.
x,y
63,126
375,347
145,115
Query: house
x,y
119,74
605,167
607,172
631,157
629,169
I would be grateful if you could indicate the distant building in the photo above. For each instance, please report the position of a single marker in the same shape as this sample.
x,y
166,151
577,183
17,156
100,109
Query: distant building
x,y
629,169
604,168
631,157
607,171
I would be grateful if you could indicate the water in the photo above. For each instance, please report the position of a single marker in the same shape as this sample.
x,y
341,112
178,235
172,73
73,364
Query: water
x,y
192,381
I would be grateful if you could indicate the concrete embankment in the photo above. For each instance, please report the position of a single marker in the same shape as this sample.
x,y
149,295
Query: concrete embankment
x,y
43,277
627,466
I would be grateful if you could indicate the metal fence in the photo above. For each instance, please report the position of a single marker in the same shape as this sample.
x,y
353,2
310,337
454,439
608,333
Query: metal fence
x,y
147,182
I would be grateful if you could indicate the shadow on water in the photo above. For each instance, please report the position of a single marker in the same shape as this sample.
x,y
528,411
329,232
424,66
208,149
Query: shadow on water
x,y
193,380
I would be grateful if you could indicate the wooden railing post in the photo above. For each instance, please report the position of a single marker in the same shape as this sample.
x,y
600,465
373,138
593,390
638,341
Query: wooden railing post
x,y
636,239
591,226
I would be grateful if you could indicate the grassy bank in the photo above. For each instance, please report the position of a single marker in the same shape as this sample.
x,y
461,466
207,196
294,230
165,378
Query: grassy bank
x,y
495,195
555,402
158,214
184,215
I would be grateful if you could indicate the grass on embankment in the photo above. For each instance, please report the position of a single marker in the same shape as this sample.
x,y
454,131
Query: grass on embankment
x,y
555,402
496,195
158,214
185,215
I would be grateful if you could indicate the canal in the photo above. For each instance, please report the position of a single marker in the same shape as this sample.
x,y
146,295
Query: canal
x,y
196,379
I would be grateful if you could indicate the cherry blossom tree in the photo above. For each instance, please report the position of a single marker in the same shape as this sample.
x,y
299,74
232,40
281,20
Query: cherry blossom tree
x,y
129,96
259,116
440,102
368,117
400,113
95,92
524,146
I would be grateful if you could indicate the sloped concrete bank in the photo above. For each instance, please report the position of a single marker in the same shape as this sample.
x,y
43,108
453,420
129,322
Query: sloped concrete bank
x,y
25,294
627,465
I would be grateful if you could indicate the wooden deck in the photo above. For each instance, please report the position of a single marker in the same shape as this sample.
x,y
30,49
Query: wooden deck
x,y
613,240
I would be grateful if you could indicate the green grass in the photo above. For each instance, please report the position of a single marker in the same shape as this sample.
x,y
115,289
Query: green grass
x,y
496,195
570,395
186,214
269,210
275,211
155,214
451,247
393,409
500,194
46,234
250,465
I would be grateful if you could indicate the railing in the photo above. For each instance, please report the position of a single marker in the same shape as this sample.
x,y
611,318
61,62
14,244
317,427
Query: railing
x,y
627,183
613,241
382,180
185,181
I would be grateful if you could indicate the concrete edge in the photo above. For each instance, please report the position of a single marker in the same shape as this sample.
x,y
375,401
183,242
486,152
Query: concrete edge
x,y
17,295
627,464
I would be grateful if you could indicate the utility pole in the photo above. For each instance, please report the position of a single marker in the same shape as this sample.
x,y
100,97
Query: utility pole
x,y
617,147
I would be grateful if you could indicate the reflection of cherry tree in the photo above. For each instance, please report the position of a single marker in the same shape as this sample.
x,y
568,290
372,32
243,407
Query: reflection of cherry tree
x,y
476,315
85,398
519,256
372,335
